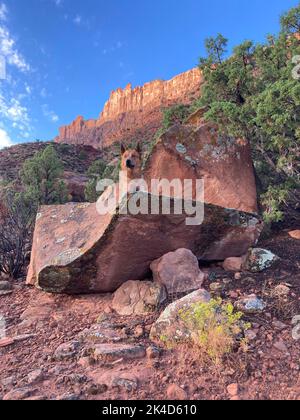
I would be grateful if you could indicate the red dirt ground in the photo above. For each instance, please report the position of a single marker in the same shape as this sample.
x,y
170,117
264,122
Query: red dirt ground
x,y
269,369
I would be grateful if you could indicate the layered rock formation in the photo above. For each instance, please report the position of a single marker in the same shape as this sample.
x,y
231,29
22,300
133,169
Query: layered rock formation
x,y
133,113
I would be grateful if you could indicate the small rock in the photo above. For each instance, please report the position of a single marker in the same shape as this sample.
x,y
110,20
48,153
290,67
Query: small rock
x,y
35,376
281,291
139,332
233,295
6,341
96,389
102,333
295,234
279,325
23,337
152,352
234,264
237,276
129,384
5,286
178,271
66,351
113,352
280,346
85,362
233,390
37,398
5,292
176,393
169,327
250,335
216,287
68,397
138,298
251,304
75,378
18,394
259,260
8,381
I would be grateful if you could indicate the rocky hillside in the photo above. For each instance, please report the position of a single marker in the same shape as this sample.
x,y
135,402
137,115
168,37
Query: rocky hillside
x,y
76,160
133,113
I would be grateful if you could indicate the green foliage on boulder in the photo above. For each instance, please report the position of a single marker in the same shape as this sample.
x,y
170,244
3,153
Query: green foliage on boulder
x,y
174,115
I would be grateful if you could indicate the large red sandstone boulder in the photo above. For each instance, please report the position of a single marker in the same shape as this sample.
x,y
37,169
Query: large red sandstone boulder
x,y
200,152
178,271
75,250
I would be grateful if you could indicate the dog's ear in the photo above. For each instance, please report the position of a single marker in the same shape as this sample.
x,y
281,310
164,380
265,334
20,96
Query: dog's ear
x,y
139,148
123,149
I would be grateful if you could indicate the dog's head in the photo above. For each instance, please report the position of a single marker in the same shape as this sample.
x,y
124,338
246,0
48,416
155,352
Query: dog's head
x,y
131,161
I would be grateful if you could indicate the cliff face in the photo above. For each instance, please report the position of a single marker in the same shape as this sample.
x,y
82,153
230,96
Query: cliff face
x,y
133,113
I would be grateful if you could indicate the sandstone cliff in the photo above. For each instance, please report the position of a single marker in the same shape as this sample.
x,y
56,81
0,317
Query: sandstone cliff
x,y
133,113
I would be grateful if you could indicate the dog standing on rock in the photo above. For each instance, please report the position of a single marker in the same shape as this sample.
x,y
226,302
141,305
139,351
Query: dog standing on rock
x,y
131,170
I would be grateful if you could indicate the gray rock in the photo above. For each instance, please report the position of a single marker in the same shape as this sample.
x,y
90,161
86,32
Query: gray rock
x,y
19,394
68,397
66,351
169,328
102,333
35,377
8,381
5,292
259,260
5,286
113,352
128,384
280,346
251,304
138,298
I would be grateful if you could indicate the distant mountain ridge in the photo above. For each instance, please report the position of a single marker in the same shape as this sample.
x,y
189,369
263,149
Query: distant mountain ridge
x,y
133,113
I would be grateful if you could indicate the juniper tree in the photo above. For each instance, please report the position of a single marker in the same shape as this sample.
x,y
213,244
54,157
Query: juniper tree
x,y
42,177
252,94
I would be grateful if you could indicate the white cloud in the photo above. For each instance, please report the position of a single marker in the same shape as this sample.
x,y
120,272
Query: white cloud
x,y
3,12
51,115
117,46
5,140
9,51
13,111
77,20
28,89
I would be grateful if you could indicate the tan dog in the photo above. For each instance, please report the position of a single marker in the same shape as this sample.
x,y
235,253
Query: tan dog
x,y
131,169
131,162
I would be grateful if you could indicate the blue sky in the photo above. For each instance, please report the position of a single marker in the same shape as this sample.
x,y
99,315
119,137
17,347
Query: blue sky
x,y
63,57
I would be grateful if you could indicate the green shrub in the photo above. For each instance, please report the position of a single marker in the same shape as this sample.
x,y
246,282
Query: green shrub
x,y
97,171
174,115
215,327
42,177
